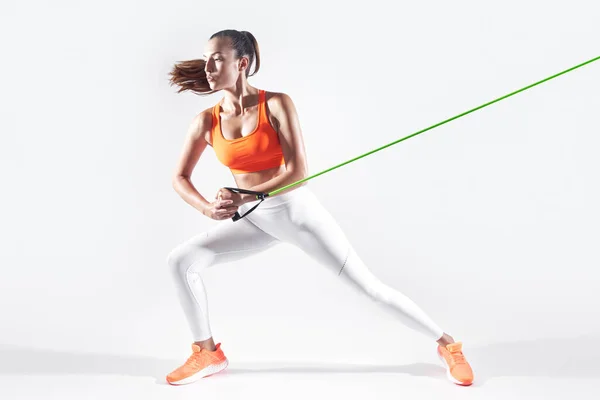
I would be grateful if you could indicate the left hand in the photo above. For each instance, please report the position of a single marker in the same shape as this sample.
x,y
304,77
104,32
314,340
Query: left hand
x,y
226,194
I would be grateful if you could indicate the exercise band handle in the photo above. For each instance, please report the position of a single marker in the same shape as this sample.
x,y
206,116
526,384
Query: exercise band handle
x,y
259,196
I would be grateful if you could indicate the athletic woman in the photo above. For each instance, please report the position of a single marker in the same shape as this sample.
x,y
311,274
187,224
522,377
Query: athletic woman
x,y
257,135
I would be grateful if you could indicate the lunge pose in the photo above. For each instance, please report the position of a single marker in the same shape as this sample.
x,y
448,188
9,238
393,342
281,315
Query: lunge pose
x,y
257,135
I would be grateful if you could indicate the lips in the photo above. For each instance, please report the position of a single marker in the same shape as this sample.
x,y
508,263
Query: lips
x,y
210,78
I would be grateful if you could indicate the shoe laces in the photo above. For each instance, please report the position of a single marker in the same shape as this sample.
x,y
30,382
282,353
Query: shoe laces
x,y
194,360
458,357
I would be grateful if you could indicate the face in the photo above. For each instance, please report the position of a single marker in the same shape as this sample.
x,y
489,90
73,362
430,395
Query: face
x,y
222,68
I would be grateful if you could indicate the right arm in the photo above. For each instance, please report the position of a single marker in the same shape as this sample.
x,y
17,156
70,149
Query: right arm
x,y
195,143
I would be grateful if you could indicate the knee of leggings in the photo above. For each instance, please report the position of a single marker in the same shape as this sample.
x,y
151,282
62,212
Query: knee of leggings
x,y
375,289
179,260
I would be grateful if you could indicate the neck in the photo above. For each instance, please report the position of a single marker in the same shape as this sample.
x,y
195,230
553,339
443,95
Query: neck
x,y
239,97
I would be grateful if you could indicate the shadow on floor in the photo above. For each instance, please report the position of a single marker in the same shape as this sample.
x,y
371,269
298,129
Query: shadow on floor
x,y
576,357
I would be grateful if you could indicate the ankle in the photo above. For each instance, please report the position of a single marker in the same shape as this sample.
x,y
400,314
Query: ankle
x,y
445,340
207,344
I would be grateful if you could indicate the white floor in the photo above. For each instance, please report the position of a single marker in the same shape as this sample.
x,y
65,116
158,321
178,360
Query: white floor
x,y
541,369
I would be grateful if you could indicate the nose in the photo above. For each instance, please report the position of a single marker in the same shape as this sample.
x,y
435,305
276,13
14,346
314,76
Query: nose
x,y
209,66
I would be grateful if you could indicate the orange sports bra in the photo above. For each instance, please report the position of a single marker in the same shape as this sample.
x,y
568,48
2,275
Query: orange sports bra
x,y
257,151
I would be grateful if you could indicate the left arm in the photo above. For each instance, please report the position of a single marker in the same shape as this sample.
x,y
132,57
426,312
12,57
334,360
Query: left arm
x,y
292,144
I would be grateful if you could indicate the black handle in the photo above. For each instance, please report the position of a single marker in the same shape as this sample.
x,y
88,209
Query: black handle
x,y
259,196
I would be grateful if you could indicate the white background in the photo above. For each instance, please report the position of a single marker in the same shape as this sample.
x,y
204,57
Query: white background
x,y
489,223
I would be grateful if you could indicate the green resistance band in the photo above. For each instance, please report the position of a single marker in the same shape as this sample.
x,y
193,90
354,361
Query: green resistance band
x,y
261,196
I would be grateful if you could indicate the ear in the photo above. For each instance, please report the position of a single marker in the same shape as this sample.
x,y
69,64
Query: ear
x,y
243,63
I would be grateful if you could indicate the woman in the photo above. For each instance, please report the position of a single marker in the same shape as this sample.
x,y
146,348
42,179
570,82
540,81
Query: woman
x,y
257,135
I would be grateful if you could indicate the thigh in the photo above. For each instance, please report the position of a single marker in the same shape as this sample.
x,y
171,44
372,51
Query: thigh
x,y
224,242
310,227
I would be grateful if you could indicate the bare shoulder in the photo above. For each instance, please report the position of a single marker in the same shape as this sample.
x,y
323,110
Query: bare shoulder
x,y
201,125
278,99
203,120
280,105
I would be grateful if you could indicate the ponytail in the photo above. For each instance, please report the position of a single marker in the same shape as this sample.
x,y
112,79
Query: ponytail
x,y
190,75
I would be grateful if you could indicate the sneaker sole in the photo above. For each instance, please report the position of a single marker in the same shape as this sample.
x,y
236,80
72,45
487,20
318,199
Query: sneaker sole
x,y
203,373
449,375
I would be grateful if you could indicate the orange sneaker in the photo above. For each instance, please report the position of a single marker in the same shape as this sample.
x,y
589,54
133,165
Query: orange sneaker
x,y
458,369
200,364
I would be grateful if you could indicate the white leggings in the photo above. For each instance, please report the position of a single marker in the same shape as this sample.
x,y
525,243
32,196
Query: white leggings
x,y
296,217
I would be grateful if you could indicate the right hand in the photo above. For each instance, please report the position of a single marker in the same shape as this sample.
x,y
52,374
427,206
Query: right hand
x,y
220,209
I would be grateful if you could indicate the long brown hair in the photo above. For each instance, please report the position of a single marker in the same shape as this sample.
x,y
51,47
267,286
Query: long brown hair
x,y
189,75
